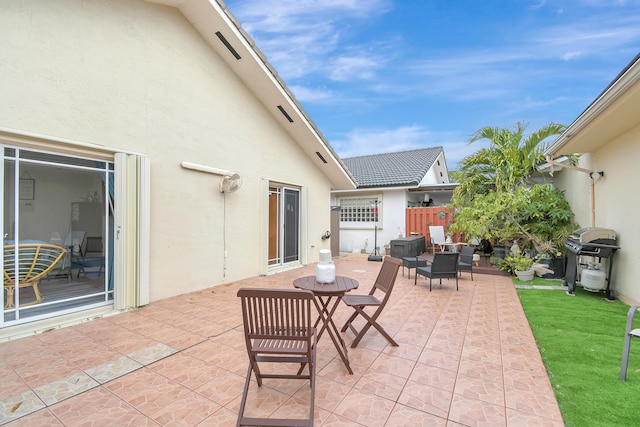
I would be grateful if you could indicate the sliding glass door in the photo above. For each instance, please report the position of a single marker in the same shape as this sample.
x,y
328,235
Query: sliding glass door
x,y
54,202
284,225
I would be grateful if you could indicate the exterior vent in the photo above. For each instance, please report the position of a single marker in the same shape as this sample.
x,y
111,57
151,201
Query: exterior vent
x,y
284,113
321,158
228,45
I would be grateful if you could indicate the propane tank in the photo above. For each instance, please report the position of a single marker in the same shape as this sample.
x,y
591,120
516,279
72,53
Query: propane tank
x,y
593,279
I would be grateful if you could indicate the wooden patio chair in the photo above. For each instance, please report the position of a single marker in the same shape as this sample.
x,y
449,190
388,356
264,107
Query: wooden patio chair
x,y
443,266
35,261
384,283
278,328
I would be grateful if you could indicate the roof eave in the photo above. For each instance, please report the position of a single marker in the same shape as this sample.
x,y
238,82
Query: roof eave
x,y
209,17
618,102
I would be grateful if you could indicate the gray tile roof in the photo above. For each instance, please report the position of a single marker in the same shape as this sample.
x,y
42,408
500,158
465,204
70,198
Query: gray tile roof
x,y
392,169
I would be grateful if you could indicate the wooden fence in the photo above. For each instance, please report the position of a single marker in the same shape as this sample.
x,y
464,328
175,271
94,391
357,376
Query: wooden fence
x,y
418,220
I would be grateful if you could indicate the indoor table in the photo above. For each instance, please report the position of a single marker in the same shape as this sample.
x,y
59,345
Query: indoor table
x,y
324,294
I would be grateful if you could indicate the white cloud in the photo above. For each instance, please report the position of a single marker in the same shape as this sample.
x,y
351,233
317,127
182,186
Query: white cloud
x,y
346,68
538,5
306,37
362,142
568,56
305,94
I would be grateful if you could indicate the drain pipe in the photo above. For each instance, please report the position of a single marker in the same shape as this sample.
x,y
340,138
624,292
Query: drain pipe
x,y
594,176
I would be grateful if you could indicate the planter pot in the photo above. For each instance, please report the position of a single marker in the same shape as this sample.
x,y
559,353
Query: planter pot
x,y
387,251
525,276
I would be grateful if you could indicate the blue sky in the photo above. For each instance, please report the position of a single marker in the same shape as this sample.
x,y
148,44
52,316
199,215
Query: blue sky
x,y
380,76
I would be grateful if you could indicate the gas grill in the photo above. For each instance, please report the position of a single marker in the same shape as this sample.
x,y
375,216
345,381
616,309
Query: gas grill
x,y
591,241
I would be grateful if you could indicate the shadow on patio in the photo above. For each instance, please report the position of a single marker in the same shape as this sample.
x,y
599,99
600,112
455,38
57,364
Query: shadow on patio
x,y
465,358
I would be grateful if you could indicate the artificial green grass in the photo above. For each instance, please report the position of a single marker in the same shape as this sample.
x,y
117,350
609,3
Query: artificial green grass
x,y
581,339
538,281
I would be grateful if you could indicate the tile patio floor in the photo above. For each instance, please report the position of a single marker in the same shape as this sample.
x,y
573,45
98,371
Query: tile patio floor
x,y
466,358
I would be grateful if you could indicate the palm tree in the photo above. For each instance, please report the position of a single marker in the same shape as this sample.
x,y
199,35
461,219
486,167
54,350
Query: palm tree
x,y
506,164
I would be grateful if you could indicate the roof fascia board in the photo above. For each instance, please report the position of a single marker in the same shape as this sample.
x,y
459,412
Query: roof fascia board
x,y
434,187
617,88
370,189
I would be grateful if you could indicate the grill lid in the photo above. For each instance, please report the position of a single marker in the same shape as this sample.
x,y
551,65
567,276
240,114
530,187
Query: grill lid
x,y
590,234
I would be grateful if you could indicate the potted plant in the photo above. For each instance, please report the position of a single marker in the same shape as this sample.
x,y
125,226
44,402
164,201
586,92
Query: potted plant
x,y
387,249
519,264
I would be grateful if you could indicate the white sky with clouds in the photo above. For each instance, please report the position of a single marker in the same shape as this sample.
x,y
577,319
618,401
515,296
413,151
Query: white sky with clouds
x,y
380,76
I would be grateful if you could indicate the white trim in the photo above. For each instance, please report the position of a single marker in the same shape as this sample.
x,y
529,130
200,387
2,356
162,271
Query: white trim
x,y
22,137
604,100
144,229
304,225
264,228
119,221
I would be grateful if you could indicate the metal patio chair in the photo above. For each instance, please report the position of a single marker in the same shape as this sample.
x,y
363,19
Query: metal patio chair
x,y
384,283
413,262
91,260
278,329
465,261
630,332
443,266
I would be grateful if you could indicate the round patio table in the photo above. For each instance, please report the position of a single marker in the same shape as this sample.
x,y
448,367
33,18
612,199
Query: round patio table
x,y
324,293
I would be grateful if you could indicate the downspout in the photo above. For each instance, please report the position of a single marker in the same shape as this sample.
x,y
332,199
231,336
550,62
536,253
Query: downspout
x,y
594,176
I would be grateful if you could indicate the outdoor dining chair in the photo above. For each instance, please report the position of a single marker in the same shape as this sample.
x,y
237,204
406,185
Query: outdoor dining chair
x,y
443,266
384,283
278,329
465,261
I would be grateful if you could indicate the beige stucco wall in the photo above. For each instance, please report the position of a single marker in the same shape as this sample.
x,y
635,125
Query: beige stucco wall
x,y
136,76
577,190
616,206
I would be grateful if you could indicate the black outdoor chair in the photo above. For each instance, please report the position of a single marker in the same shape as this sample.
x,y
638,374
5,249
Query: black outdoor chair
x,y
413,262
465,263
443,266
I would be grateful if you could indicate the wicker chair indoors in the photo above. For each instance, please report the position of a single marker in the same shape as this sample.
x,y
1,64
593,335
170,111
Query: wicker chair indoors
x,y
35,260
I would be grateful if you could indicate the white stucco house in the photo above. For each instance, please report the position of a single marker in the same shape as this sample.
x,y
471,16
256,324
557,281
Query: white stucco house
x,y
395,181
602,191
118,121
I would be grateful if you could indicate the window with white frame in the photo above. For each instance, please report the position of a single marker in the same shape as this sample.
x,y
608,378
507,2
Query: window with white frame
x,y
360,209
